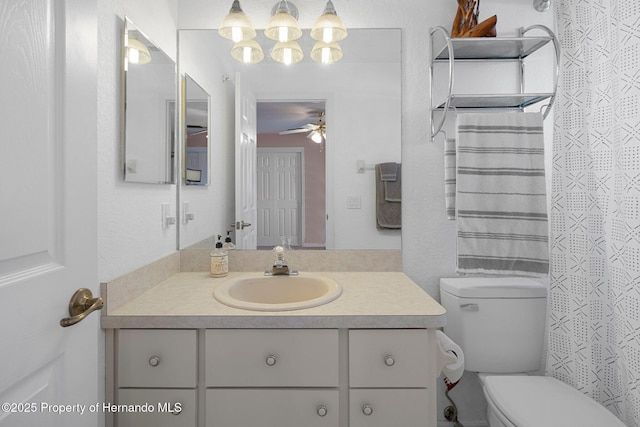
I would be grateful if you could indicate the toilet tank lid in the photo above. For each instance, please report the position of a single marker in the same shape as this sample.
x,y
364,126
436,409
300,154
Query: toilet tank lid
x,y
495,287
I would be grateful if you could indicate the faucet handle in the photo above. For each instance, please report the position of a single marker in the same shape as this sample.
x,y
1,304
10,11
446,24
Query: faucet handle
x,y
279,253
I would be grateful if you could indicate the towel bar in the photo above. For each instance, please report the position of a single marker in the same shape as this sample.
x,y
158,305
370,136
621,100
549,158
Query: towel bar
x,y
362,166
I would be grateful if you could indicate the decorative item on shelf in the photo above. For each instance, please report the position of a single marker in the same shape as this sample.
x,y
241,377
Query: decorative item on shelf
x,y
465,23
541,5
283,27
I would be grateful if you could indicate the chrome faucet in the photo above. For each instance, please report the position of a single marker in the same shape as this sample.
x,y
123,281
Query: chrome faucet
x,y
280,267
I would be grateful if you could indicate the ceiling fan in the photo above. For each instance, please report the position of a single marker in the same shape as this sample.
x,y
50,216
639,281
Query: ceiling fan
x,y
196,129
316,130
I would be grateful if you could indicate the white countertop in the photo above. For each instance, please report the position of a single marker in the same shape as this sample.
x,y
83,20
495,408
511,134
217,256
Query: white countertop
x,y
368,300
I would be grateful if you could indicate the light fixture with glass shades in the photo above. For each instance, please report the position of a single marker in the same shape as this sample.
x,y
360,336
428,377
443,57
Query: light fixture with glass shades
x,y
316,136
236,26
287,52
283,27
329,27
247,51
137,52
326,53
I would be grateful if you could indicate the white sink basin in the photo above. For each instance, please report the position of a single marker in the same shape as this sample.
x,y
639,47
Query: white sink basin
x,y
278,293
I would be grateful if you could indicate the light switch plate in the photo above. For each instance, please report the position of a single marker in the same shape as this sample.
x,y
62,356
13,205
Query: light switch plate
x,y
354,202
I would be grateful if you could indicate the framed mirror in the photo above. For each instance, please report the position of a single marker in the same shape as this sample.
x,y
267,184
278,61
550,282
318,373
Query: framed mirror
x,y
148,110
196,131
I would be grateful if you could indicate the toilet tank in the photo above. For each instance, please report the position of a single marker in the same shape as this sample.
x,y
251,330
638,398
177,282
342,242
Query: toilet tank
x,y
498,322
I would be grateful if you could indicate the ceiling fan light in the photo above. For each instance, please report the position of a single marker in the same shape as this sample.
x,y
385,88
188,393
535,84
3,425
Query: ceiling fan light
x,y
247,52
326,53
283,25
137,52
329,27
236,26
315,136
287,53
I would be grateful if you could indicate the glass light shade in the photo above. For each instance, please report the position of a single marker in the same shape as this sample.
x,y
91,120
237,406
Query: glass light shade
x,y
247,51
236,26
137,52
326,53
315,136
283,26
287,52
329,27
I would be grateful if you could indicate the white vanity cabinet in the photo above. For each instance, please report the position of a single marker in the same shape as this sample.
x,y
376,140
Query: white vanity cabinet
x,y
271,357
276,377
156,378
389,377
271,377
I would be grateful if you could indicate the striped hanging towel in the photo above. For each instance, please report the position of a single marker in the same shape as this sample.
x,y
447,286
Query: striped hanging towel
x,y
450,178
501,194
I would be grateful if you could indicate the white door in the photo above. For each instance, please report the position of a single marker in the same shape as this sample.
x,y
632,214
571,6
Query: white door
x,y
279,196
246,175
48,211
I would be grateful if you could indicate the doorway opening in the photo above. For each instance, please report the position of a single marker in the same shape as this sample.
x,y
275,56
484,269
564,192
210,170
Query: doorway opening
x,y
291,174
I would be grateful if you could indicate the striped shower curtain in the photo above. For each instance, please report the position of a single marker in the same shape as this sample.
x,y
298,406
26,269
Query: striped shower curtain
x,y
594,300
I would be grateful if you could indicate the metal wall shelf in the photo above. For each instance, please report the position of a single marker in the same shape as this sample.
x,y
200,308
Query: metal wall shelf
x,y
490,48
448,51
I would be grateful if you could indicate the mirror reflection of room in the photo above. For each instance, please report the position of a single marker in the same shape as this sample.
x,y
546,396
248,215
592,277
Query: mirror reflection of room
x,y
362,112
196,164
149,82
291,173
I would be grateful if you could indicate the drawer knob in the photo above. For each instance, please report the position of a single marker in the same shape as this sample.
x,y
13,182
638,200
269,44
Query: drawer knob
x,y
389,360
322,410
271,360
367,409
154,361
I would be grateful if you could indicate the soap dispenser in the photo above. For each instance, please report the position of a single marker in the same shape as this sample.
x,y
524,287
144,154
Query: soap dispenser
x,y
219,260
228,244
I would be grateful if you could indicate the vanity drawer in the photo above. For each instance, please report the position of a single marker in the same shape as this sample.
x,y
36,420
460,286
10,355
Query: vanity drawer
x,y
271,358
272,408
158,408
388,407
388,358
157,358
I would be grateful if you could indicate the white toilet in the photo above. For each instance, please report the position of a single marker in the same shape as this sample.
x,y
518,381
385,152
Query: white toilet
x,y
500,325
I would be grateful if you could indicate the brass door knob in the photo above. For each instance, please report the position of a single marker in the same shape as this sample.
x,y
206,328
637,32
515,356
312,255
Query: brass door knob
x,y
81,305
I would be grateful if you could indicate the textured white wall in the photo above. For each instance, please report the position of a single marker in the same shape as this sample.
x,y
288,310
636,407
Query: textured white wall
x,y
130,232
213,204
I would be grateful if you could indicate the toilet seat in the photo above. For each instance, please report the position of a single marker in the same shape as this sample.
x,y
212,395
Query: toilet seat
x,y
538,401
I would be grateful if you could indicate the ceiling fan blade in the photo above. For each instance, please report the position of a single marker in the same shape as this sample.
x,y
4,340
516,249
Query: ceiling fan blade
x,y
290,131
196,129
